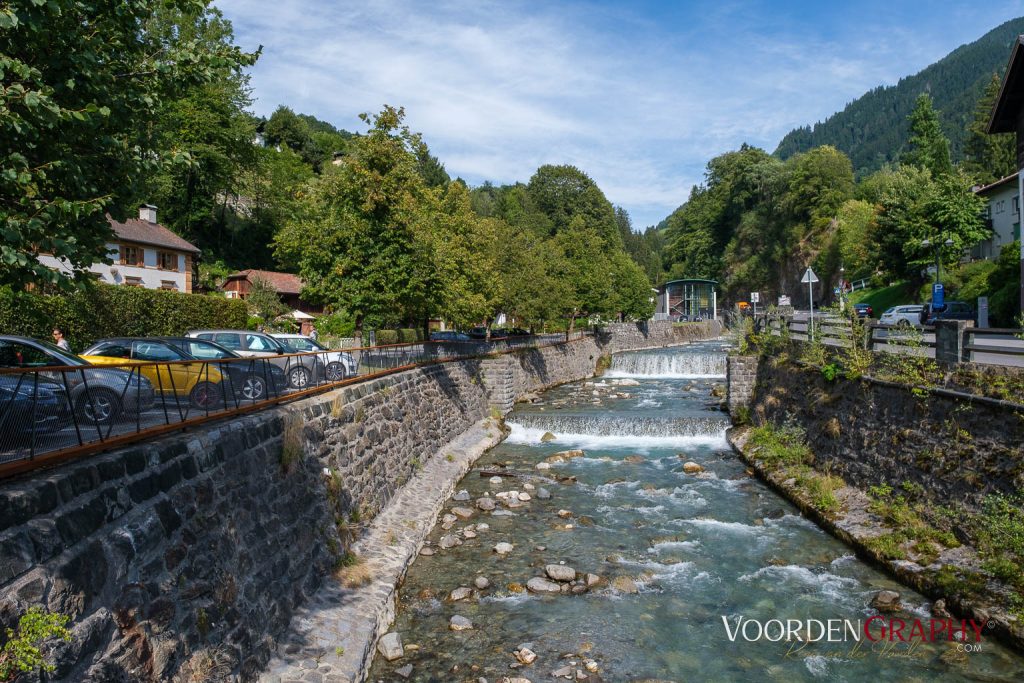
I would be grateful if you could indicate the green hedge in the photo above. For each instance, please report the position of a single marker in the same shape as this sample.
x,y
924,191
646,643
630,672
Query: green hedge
x,y
109,311
387,336
406,335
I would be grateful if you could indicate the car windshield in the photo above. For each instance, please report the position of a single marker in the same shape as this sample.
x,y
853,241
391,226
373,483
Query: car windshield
x,y
199,348
66,357
300,344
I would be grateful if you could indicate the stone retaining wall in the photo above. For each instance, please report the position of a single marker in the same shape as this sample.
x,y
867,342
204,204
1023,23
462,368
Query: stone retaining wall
x,y
740,380
188,555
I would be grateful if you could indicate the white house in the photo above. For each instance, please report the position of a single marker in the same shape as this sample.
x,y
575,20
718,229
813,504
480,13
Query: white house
x,y
1002,214
144,254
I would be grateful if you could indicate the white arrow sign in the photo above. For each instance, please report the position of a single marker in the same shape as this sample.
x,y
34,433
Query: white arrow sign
x,y
809,276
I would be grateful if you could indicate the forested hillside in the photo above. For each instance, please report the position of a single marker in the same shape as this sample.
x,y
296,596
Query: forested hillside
x,y
871,130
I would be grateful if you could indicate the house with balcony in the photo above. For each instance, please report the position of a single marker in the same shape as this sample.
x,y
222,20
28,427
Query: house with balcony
x,y
1002,216
143,254
287,285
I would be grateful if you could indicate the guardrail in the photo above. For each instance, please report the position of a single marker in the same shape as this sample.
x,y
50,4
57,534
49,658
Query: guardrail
x,y
994,346
49,414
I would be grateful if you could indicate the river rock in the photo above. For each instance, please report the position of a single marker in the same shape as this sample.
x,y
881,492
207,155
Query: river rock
x,y
543,493
886,601
483,526
524,496
543,466
517,679
485,504
633,459
627,382
427,551
624,584
548,436
404,671
940,611
526,656
560,572
460,593
449,519
390,646
461,496
590,665
463,513
541,585
468,533
529,487
459,623
448,541
593,580
565,514
503,548
564,672
482,582
495,480
691,467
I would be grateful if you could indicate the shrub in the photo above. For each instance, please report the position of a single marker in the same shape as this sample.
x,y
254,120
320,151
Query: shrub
x,y
407,335
336,325
387,336
22,652
111,311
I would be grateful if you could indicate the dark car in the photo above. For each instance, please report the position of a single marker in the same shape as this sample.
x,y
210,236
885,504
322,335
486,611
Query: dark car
x,y
29,406
519,332
97,395
250,378
478,333
951,310
449,336
499,333
864,310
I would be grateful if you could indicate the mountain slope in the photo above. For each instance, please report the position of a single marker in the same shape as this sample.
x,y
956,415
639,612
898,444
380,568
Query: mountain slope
x,y
873,130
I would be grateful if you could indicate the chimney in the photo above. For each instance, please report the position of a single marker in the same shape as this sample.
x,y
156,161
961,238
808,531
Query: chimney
x,y
147,212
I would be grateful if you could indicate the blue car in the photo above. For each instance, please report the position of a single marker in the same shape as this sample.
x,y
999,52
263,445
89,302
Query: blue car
x,y
28,406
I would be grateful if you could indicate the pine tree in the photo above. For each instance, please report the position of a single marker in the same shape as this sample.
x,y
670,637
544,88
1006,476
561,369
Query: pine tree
x,y
987,158
928,147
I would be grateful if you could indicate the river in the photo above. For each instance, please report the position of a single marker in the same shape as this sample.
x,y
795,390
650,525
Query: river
x,y
694,547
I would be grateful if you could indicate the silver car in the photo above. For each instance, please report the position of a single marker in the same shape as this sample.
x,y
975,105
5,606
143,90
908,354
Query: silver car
x,y
902,316
338,365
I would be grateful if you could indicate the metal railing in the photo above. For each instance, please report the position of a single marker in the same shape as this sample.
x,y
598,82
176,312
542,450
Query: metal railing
x,y
53,413
995,346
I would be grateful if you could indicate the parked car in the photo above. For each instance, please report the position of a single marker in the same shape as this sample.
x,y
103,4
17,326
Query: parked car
x,y
97,395
951,310
337,365
164,366
864,310
519,332
902,316
449,336
29,407
300,370
251,379
499,333
478,333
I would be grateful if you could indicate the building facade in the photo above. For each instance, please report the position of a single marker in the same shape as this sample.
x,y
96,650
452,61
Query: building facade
x,y
287,285
1002,215
144,254
689,299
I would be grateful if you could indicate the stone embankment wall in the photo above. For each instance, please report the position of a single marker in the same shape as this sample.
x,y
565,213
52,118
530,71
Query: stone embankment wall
x,y
185,556
740,380
956,447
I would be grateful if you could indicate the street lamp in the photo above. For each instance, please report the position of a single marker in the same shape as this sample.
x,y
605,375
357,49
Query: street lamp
x,y
938,249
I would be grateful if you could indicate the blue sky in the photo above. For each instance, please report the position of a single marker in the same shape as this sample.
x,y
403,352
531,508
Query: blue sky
x,y
640,94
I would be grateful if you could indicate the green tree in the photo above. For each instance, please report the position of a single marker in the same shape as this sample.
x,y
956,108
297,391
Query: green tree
x,y
856,225
82,89
988,157
928,147
263,300
362,241
563,193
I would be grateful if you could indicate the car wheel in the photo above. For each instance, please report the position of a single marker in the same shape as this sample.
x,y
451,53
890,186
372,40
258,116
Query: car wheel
x,y
205,396
298,377
99,406
903,324
335,371
254,388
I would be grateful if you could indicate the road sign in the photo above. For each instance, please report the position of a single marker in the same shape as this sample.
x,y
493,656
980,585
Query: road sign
x,y
784,300
755,297
938,296
809,276
982,311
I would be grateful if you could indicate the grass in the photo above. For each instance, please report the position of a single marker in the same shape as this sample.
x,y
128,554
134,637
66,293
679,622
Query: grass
x,y
781,446
908,525
883,298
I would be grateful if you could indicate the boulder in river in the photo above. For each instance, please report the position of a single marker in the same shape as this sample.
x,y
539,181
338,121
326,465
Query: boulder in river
x,y
486,504
541,585
886,601
459,623
690,467
624,584
633,459
503,548
461,496
548,436
526,656
448,541
390,646
460,593
560,572
482,582
462,513
543,493
543,466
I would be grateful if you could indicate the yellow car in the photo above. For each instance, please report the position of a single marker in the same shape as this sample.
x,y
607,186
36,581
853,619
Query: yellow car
x,y
160,363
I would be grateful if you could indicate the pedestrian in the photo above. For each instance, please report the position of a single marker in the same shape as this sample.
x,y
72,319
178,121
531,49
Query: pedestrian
x,y
59,340
312,333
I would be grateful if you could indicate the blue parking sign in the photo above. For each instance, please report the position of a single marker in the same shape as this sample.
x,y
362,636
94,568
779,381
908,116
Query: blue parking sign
x,y
938,295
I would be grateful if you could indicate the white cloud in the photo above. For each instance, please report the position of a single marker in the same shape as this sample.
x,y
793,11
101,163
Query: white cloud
x,y
499,88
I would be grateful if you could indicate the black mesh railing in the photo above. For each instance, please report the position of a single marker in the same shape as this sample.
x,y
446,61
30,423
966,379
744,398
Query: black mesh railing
x,y
49,413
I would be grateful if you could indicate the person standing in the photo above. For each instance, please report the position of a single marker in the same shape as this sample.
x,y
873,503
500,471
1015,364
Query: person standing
x,y
312,333
59,340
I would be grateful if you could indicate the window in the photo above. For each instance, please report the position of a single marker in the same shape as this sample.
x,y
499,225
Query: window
x,y
15,355
296,344
132,256
227,340
257,342
167,260
112,350
154,351
205,350
1016,205
132,281
168,284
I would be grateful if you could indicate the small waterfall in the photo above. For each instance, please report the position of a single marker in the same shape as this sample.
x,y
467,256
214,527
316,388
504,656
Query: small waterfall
x,y
596,431
669,365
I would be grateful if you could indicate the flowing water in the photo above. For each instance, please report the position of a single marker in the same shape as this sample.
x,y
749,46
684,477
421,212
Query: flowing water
x,y
698,547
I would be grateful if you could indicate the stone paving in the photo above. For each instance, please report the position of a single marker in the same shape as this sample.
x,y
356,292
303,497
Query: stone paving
x,y
332,638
